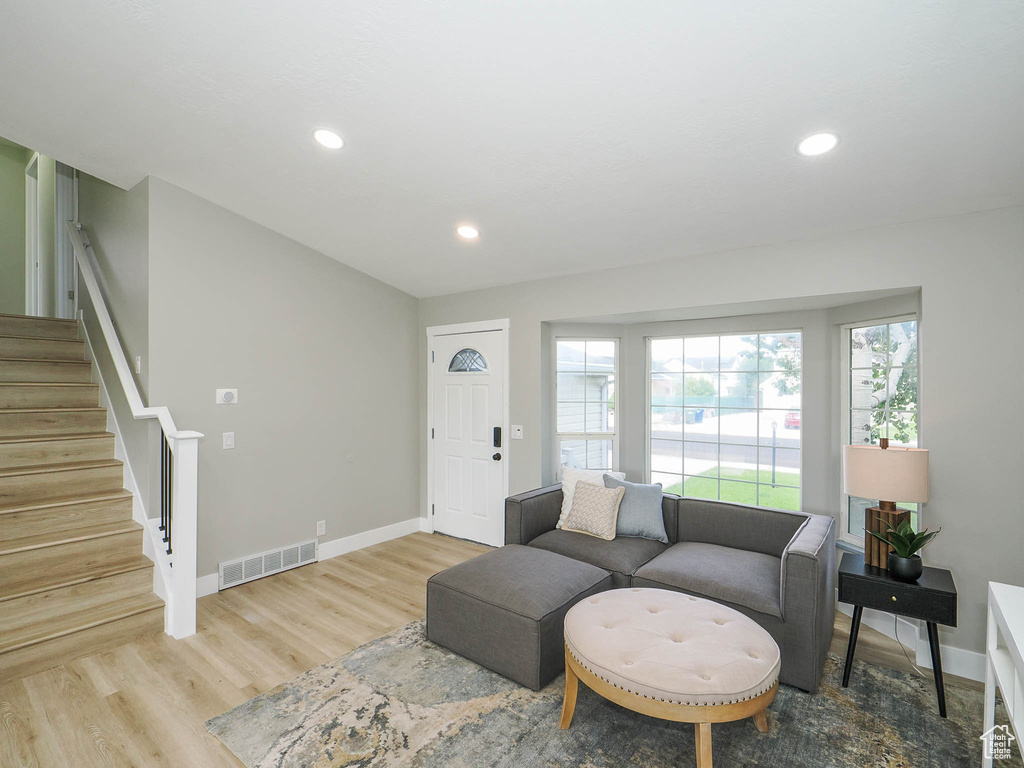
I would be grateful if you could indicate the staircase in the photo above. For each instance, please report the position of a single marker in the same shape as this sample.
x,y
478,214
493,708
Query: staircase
x,y
73,579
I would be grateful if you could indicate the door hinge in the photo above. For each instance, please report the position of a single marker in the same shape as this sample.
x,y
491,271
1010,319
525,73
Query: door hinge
x,y
431,510
431,433
71,295
431,355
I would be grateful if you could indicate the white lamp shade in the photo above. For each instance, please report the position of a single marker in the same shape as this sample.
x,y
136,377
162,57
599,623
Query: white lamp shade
x,y
886,474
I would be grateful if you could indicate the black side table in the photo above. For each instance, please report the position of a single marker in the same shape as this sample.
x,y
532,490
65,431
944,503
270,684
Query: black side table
x,y
931,598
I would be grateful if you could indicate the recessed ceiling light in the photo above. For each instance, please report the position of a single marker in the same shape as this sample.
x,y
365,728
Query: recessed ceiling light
x,y
818,144
329,139
467,232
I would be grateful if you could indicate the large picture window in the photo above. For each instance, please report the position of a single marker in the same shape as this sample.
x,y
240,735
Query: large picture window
x,y
879,399
585,395
725,419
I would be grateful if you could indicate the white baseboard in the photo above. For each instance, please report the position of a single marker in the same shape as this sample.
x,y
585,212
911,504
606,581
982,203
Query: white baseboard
x,y
207,585
329,549
426,525
955,661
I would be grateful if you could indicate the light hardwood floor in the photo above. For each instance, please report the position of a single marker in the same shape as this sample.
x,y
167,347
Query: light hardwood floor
x,y
144,704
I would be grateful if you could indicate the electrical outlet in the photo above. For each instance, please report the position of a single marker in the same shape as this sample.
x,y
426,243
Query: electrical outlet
x,y
229,440
321,528
138,364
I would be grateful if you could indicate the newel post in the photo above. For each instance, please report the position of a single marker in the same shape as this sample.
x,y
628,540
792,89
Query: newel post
x,y
182,603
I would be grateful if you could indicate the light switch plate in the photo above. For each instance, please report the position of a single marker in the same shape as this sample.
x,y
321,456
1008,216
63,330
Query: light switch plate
x,y
517,431
227,397
229,440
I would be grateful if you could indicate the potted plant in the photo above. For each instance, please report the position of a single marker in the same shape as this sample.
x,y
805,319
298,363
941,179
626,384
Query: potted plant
x,y
904,562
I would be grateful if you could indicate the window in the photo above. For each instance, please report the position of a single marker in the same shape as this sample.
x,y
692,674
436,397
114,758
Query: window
x,y
585,401
467,361
879,399
725,417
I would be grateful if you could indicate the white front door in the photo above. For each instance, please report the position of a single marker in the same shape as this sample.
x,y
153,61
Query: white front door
x,y
468,440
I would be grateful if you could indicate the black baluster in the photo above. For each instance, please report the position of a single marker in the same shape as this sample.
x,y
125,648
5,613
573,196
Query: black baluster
x,y
170,496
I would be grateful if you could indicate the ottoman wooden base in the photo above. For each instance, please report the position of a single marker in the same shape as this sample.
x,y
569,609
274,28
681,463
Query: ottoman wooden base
x,y
701,716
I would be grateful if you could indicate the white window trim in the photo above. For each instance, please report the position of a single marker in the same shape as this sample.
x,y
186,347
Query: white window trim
x,y
684,336
556,449
844,410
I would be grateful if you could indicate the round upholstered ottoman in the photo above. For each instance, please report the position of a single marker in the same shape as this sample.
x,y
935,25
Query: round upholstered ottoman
x,y
673,656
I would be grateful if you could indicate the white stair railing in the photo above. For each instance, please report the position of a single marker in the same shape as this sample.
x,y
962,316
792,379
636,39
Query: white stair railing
x,y
180,487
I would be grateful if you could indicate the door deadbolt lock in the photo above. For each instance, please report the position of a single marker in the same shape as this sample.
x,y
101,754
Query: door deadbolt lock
x,y
496,457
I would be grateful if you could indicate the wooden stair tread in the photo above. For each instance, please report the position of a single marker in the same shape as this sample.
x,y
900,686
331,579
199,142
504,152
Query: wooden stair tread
x,y
65,501
83,533
33,318
44,360
40,469
12,588
56,409
54,438
47,384
66,624
40,338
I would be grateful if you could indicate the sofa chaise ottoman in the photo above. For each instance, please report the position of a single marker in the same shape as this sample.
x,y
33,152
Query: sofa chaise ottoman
x,y
504,609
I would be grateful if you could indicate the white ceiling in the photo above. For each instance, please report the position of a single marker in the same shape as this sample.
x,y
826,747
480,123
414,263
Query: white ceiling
x,y
577,135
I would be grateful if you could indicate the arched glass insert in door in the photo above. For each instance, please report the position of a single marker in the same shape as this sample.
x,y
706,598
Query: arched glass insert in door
x,y
467,361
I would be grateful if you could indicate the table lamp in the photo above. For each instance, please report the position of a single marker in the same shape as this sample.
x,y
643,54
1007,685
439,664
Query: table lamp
x,y
884,473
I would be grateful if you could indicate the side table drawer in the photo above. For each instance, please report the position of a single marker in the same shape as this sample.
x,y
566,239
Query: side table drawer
x,y
903,599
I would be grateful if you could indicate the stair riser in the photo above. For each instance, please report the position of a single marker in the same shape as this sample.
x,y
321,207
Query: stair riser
x,y
55,451
49,396
78,597
69,423
36,658
18,490
42,349
44,370
65,560
68,517
31,326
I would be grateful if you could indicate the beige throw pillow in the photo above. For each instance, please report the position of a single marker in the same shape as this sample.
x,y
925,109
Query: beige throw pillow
x,y
571,476
595,510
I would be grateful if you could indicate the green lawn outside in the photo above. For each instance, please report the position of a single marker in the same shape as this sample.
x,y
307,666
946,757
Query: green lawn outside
x,y
784,495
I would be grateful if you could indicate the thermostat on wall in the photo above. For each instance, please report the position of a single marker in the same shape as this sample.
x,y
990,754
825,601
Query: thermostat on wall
x,y
227,396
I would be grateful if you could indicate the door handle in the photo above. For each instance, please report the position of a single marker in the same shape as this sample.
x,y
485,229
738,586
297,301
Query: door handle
x,y
497,438
496,457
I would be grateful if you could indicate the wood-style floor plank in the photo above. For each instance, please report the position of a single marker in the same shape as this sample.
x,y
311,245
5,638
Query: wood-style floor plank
x,y
144,703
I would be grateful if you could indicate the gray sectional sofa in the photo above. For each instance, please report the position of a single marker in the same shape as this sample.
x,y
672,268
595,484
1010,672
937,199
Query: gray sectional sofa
x,y
504,609
776,567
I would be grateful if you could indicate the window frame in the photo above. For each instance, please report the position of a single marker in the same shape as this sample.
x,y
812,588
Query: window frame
x,y
845,373
647,395
556,452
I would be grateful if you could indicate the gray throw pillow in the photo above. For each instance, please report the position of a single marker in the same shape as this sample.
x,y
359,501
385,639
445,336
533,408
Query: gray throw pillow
x,y
640,511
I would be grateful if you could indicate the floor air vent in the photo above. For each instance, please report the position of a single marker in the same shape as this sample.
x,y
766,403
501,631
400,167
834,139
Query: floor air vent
x,y
266,563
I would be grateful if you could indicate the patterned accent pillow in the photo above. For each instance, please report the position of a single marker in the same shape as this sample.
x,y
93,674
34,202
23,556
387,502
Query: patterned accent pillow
x,y
594,510
571,476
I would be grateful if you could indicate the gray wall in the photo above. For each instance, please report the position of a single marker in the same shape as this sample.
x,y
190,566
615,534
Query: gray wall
x,y
971,272
12,228
117,223
325,361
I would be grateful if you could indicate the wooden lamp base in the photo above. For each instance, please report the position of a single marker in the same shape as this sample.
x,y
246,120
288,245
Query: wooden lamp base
x,y
876,552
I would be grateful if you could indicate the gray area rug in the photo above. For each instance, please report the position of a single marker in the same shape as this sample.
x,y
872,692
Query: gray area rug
x,y
402,701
